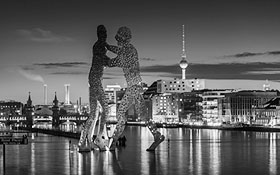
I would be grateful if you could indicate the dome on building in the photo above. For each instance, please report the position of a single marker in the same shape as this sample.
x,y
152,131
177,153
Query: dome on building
x,y
44,110
183,64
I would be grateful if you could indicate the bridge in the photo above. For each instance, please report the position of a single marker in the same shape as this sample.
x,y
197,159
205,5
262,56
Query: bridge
x,y
23,120
70,122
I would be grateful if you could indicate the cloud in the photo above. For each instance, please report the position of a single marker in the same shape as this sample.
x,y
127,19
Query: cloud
x,y
273,53
31,76
41,35
252,54
147,59
263,72
253,71
61,65
27,68
70,73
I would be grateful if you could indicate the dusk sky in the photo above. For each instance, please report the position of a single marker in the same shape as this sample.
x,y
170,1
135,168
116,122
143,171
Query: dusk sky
x,y
230,44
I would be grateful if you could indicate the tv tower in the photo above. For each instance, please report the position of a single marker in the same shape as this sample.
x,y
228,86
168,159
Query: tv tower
x,y
183,62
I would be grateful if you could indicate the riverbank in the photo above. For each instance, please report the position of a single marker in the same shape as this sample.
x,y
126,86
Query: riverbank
x,y
230,127
53,132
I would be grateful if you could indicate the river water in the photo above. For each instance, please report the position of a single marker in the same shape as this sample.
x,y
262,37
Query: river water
x,y
188,151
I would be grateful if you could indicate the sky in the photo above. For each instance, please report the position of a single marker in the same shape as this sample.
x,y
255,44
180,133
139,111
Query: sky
x,y
232,44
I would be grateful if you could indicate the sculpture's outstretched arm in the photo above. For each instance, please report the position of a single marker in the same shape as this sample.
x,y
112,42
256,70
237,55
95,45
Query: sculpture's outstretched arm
x,y
114,49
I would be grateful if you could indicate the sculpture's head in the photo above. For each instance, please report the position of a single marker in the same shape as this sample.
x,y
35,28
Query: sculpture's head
x,y
101,33
123,35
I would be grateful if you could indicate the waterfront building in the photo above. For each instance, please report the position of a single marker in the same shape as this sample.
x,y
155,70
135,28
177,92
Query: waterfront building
x,y
238,106
190,107
268,113
210,105
112,96
8,108
111,93
148,95
165,107
180,85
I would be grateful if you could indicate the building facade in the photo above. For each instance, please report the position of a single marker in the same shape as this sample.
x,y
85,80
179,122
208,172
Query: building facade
x,y
268,113
238,106
179,85
10,108
190,107
210,105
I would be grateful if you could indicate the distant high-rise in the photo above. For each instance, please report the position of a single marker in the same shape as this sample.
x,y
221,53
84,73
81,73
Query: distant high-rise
x,y
183,62
67,94
266,86
45,94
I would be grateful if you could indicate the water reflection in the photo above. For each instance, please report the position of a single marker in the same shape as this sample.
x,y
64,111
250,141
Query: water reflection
x,y
272,154
189,151
215,157
33,170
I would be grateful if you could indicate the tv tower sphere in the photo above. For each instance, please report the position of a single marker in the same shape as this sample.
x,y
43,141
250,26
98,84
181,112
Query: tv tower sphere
x,y
183,63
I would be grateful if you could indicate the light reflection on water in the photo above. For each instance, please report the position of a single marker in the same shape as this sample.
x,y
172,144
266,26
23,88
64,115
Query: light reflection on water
x,y
189,151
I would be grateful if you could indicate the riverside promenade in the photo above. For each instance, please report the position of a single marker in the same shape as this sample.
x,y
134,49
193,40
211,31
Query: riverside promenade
x,y
76,135
54,132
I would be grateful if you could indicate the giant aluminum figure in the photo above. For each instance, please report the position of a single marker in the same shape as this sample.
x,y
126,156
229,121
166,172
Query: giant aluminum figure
x,y
97,98
127,59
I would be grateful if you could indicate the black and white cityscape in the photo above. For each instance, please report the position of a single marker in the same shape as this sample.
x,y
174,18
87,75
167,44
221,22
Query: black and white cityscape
x,y
139,87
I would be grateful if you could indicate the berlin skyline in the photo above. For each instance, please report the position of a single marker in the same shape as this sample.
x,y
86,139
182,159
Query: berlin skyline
x,y
233,45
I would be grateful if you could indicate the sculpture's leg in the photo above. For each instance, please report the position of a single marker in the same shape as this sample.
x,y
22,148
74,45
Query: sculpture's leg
x,y
92,129
124,105
83,144
142,111
101,140
158,137
86,131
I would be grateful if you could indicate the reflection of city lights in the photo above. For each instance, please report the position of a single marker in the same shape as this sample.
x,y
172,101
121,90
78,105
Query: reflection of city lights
x,y
272,154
